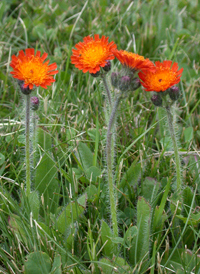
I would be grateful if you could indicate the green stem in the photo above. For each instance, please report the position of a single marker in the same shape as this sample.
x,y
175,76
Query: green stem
x,y
107,89
34,120
110,160
27,145
174,141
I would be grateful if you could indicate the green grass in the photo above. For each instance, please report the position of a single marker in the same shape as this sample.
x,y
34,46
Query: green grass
x,y
68,229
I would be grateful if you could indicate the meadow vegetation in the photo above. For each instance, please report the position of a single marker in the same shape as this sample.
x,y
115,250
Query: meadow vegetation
x,y
64,226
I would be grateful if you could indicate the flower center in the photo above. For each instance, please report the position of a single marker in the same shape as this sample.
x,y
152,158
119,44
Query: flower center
x,y
93,53
162,79
32,70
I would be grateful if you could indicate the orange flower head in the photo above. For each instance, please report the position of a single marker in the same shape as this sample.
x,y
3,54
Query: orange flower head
x,y
92,53
165,76
133,61
30,68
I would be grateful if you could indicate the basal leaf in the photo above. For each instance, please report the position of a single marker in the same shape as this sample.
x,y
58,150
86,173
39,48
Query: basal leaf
x,y
117,265
86,156
106,235
56,268
143,225
150,189
70,214
132,175
34,204
46,177
38,263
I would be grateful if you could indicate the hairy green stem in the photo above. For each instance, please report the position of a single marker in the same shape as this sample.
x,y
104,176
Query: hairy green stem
x,y
34,120
107,89
110,160
27,145
176,153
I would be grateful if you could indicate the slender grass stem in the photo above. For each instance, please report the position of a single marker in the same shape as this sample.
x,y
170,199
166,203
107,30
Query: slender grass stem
x,y
27,145
110,160
176,152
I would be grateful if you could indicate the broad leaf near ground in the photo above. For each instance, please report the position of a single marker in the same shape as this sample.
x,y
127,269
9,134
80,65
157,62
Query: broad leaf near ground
x,y
71,214
46,177
38,263
141,243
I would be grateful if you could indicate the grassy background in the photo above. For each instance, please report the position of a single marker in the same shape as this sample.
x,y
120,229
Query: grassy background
x,y
72,113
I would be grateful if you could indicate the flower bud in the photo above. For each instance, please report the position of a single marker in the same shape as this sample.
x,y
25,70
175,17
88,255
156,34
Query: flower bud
x,y
124,83
135,84
24,90
35,103
115,79
174,93
107,67
95,74
156,100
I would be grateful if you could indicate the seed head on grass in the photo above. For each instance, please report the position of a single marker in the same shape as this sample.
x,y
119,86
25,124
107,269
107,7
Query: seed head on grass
x,y
31,69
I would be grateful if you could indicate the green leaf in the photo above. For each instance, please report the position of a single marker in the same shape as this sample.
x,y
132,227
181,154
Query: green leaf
x,y
166,143
157,216
56,268
86,156
92,132
45,229
34,204
150,189
70,135
38,263
140,249
2,158
8,138
51,34
71,214
2,169
143,225
183,259
3,9
187,200
118,265
158,223
194,219
92,173
92,193
46,175
106,235
39,30
130,235
132,175
188,134
18,227
82,200
193,167
21,139
118,240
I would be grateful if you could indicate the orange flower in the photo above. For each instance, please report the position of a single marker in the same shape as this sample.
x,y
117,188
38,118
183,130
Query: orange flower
x,y
165,76
31,69
133,61
92,53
